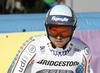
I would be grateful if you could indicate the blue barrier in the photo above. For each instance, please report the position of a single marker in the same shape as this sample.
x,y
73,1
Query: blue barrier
x,y
18,22
35,22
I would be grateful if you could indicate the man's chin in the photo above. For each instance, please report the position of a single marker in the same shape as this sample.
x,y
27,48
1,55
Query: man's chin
x,y
60,46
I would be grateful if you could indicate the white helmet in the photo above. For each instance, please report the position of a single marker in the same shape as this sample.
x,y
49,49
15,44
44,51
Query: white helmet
x,y
61,15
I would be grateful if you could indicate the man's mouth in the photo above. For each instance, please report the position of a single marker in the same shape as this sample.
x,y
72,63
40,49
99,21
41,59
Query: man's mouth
x,y
59,41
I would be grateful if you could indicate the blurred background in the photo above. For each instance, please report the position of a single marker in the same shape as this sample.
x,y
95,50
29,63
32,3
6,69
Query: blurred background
x,y
42,6
21,19
27,6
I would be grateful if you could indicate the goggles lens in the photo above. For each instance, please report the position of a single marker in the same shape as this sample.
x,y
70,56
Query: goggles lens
x,y
62,31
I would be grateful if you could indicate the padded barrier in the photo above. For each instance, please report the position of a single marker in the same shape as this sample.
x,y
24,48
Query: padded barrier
x,y
17,22
35,22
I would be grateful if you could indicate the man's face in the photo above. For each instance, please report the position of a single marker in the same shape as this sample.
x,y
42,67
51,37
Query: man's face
x,y
59,41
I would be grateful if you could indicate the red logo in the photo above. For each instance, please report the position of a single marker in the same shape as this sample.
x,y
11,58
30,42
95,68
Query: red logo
x,y
90,60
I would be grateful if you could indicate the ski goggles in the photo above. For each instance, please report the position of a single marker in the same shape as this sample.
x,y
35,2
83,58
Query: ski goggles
x,y
63,32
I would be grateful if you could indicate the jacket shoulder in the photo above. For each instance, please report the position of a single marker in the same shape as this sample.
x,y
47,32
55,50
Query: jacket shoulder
x,y
77,43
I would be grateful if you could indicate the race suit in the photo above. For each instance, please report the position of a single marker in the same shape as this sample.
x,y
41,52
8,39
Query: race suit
x,y
37,55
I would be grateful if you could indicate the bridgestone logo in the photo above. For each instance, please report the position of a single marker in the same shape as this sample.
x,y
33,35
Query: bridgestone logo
x,y
58,63
60,18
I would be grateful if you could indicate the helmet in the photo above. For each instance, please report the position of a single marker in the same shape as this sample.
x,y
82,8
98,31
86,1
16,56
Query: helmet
x,y
60,16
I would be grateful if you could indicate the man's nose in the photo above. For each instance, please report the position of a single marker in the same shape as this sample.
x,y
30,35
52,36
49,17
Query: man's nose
x,y
59,37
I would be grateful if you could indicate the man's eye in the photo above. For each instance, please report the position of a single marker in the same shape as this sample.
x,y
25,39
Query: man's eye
x,y
53,30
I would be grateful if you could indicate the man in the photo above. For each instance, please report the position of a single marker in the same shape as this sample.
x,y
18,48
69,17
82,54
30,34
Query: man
x,y
57,51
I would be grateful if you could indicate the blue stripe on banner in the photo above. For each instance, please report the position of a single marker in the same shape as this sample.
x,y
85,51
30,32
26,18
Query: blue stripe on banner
x,y
35,22
88,21
18,22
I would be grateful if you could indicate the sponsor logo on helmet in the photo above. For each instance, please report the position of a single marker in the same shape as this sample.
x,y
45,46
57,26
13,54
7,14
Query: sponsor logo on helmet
x,y
60,18
59,23
58,63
